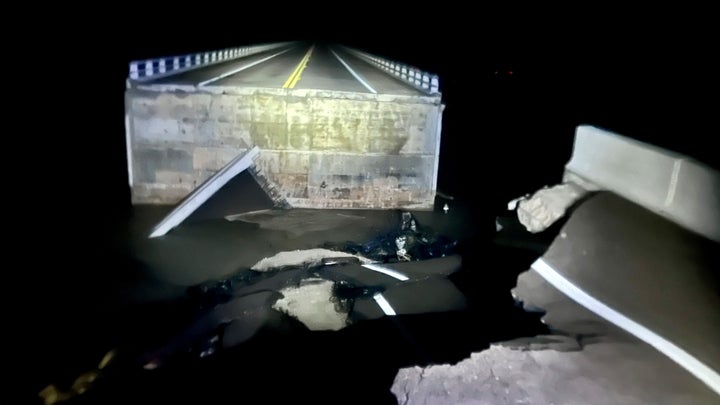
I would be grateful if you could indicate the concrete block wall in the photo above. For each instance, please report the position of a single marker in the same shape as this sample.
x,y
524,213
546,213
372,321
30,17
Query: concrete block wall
x,y
320,149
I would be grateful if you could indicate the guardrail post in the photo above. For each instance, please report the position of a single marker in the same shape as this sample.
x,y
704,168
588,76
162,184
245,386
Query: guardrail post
x,y
423,81
139,70
133,70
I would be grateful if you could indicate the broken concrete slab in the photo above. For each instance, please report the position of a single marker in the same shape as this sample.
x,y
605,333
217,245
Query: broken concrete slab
x,y
502,375
548,205
636,261
204,192
312,304
306,257
644,273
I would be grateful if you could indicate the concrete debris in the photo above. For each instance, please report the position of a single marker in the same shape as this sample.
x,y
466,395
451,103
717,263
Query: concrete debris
x,y
512,204
547,205
502,375
311,303
308,257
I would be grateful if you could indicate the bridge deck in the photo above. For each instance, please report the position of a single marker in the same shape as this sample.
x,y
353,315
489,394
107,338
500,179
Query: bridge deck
x,y
302,66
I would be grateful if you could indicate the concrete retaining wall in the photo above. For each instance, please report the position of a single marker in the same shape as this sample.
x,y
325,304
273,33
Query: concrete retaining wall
x,y
321,149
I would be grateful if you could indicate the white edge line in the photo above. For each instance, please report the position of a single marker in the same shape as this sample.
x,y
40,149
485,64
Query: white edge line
x,y
675,353
352,72
386,271
240,69
128,147
384,304
204,192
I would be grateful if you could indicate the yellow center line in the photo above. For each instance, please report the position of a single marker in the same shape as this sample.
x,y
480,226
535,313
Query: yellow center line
x,y
295,76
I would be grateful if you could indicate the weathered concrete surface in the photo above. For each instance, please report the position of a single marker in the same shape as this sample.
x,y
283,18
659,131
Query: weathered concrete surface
x,y
548,205
672,185
503,375
309,257
321,149
311,303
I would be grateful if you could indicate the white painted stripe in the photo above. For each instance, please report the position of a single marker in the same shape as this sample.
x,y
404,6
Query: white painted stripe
x,y
680,356
204,192
387,271
232,72
352,72
384,305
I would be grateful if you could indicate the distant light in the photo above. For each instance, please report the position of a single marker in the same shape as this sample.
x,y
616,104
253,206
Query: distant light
x,y
510,72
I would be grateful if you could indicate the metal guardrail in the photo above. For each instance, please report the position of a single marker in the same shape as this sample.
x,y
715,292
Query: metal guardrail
x,y
423,81
165,66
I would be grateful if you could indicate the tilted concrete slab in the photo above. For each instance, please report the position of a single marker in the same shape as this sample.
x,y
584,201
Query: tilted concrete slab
x,y
204,192
645,274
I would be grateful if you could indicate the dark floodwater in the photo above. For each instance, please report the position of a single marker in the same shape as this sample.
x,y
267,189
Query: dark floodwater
x,y
125,295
